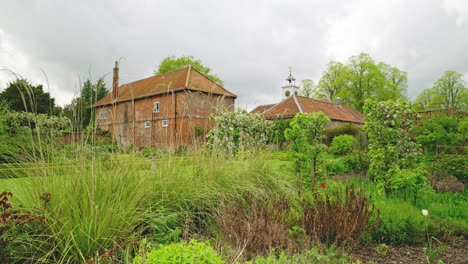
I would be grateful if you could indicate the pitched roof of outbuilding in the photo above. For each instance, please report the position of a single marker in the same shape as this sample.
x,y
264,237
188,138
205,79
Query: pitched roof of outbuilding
x,y
298,104
183,79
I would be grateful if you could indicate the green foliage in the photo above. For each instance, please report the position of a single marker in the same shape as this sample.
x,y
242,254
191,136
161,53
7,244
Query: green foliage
x,y
390,148
171,63
332,81
183,252
404,182
239,131
439,130
382,249
23,96
315,255
342,144
80,110
363,79
346,129
455,165
401,224
308,87
277,132
306,135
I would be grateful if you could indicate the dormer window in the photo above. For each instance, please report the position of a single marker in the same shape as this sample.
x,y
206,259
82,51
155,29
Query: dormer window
x,y
156,107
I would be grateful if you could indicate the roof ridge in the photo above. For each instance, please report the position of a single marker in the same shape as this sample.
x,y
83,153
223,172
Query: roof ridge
x,y
153,76
211,81
297,104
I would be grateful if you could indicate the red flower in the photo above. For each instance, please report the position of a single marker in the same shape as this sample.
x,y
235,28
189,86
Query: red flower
x,y
108,253
312,187
25,216
323,185
5,215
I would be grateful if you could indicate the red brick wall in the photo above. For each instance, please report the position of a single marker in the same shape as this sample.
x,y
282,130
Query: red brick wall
x,y
127,123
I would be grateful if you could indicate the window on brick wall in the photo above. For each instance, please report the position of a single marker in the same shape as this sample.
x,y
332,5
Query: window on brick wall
x,y
156,107
101,113
147,124
165,123
105,114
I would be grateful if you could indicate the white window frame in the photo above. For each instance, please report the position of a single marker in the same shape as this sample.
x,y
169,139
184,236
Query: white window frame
x,y
165,123
147,124
156,107
105,113
101,113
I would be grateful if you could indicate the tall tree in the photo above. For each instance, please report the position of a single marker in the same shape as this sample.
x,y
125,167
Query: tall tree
x,y
424,100
23,96
308,87
451,91
171,63
80,109
364,79
331,82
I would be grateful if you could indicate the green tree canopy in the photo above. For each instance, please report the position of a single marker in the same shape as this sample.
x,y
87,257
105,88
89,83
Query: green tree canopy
x,y
80,109
331,82
308,87
449,91
364,79
23,96
171,63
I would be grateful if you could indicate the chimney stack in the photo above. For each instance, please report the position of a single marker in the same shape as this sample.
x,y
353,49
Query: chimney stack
x,y
338,101
115,82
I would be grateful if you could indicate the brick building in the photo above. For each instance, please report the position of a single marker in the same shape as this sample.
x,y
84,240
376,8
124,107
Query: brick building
x,y
293,104
163,111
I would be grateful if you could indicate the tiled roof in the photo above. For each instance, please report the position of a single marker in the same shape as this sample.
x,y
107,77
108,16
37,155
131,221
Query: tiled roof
x,y
294,104
185,78
262,108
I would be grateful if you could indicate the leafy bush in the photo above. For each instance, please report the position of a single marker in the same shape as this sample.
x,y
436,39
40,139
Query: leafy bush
x,y
347,129
183,252
388,125
406,182
400,224
239,131
356,161
455,165
334,166
342,144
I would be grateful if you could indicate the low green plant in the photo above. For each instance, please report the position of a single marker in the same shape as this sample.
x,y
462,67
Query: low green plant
x,y
342,144
400,223
182,252
382,249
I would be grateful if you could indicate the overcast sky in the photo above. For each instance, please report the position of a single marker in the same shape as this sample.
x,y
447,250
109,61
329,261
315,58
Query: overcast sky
x,y
249,44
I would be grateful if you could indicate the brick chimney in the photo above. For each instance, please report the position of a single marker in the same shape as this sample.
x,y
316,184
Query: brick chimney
x,y
115,81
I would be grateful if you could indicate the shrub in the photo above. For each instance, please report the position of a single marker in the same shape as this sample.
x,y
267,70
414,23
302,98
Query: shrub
x,y
258,227
183,252
400,224
342,144
347,129
333,219
356,161
406,182
455,165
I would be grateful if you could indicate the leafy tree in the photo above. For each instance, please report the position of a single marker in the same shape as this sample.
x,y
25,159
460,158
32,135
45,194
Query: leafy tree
x,y
361,79
424,100
23,96
439,130
239,131
306,135
80,109
332,81
451,91
308,87
388,125
172,63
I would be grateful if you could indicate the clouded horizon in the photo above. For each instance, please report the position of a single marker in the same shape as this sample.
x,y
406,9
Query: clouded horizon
x,y
249,44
